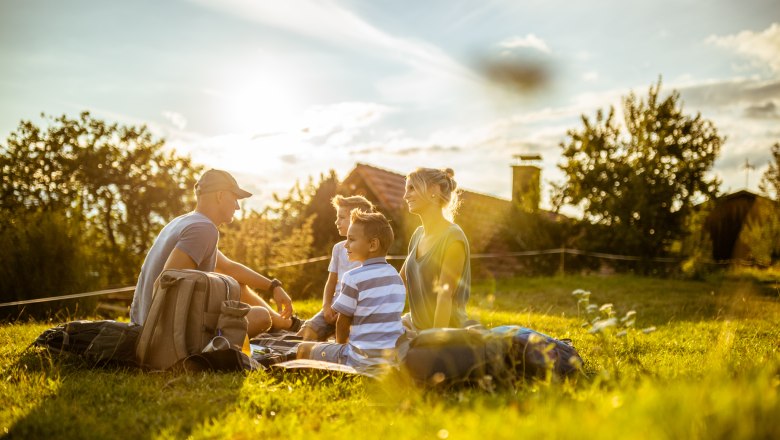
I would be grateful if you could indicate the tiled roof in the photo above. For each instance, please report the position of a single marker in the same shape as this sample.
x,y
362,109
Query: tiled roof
x,y
387,186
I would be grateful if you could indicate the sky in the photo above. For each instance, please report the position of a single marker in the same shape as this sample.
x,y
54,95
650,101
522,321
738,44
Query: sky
x,y
275,91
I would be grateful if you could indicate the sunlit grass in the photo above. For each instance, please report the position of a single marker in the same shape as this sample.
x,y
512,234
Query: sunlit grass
x,y
711,369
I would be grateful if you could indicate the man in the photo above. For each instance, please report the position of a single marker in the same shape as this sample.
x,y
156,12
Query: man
x,y
190,242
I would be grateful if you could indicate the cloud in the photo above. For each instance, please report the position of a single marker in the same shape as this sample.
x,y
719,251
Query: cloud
x,y
329,23
410,151
763,111
590,76
177,119
530,41
729,93
338,125
763,46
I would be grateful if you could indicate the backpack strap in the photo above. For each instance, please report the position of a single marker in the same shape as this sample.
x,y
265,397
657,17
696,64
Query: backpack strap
x,y
181,312
144,341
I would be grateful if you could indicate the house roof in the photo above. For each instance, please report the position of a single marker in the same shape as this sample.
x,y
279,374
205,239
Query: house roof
x,y
387,186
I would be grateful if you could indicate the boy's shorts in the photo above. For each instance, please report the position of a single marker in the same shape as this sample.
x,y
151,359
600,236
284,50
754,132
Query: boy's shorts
x,y
329,352
319,326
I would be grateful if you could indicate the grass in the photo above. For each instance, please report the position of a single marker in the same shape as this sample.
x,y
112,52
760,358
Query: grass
x,y
711,369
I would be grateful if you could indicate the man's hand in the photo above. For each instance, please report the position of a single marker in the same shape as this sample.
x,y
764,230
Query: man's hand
x,y
329,314
283,303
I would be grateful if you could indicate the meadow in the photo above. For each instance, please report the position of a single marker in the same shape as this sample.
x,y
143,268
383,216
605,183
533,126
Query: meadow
x,y
701,360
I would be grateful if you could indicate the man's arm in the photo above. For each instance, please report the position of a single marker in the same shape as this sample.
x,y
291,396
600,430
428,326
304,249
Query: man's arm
x,y
245,275
179,260
327,297
343,323
451,274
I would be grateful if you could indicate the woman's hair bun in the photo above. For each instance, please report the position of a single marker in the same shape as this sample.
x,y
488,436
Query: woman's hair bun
x,y
450,178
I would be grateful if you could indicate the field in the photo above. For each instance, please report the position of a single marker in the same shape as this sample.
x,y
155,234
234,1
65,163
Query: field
x,y
709,369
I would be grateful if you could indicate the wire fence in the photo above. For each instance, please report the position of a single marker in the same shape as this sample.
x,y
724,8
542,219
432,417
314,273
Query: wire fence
x,y
484,256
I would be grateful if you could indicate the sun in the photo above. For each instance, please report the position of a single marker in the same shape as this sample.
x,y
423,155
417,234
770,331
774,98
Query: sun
x,y
258,102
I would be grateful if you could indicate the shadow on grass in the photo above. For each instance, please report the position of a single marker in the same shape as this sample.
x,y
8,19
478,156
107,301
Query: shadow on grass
x,y
73,400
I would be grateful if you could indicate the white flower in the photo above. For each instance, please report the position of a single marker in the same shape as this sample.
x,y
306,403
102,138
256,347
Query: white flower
x,y
602,325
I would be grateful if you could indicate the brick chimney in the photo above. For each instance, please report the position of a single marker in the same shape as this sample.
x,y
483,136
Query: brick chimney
x,y
526,188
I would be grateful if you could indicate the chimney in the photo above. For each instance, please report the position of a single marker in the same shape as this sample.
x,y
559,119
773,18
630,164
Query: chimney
x,y
526,188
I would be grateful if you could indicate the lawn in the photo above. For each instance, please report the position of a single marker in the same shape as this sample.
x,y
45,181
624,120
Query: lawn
x,y
709,369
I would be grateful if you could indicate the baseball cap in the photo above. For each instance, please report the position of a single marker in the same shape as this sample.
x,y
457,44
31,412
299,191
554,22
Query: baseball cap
x,y
218,180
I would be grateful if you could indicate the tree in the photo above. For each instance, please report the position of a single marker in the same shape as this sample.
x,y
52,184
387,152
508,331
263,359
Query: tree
x,y
640,180
770,181
324,215
118,182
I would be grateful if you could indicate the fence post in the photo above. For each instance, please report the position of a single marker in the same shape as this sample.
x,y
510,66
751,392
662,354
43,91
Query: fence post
x,y
562,267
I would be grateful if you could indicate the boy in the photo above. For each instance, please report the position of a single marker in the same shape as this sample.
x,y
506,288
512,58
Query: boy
x,y
323,325
370,303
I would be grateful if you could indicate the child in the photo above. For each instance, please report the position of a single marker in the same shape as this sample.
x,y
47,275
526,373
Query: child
x,y
323,325
370,302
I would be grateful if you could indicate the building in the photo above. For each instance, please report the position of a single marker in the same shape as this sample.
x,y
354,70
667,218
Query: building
x,y
727,221
480,215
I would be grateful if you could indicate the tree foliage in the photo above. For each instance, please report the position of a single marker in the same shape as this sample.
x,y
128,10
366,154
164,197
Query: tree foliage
x,y
641,178
770,181
116,184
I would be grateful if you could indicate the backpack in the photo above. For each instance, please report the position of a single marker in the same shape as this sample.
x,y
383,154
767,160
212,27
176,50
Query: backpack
x,y
98,342
189,308
531,354
477,356
450,356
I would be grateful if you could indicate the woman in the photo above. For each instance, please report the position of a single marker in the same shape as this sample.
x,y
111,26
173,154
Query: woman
x,y
437,271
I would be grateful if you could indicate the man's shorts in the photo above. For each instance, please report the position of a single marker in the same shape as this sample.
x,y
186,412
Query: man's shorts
x,y
329,352
319,326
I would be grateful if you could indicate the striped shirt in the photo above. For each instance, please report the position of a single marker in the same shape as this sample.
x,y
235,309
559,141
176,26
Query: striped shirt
x,y
374,296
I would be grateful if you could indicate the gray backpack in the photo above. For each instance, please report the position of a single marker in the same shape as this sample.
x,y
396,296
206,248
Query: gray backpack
x,y
189,308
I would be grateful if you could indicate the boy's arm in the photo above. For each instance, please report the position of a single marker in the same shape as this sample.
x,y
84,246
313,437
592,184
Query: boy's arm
x,y
327,297
451,274
343,323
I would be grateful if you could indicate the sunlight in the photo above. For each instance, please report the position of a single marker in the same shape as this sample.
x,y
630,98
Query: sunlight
x,y
257,101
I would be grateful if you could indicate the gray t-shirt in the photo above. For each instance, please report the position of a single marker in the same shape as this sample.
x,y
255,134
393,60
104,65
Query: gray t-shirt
x,y
423,272
195,235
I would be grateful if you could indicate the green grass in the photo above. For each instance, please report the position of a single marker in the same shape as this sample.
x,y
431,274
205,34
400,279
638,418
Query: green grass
x,y
710,370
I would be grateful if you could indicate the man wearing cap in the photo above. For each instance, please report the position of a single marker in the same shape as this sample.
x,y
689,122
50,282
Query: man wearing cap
x,y
190,242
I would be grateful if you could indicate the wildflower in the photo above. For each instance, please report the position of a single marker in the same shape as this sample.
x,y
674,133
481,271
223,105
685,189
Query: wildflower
x,y
648,330
581,293
629,319
602,325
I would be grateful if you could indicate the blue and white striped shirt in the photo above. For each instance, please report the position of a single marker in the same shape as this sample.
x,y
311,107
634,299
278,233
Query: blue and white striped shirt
x,y
374,296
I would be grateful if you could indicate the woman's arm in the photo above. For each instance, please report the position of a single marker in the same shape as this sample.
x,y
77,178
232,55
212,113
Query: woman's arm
x,y
449,279
403,273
